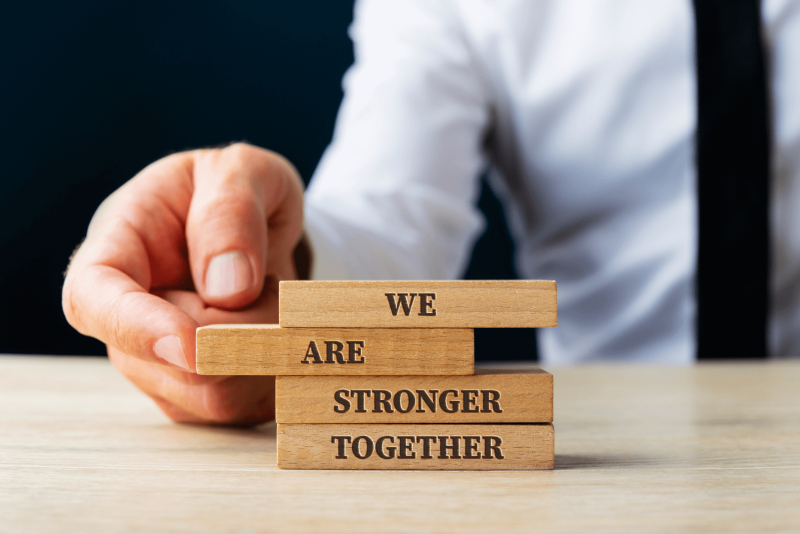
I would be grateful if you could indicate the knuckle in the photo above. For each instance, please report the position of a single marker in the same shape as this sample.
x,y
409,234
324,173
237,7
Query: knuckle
x,y
264,163
230,202
116,331
228,215
239,151
68,304
72,305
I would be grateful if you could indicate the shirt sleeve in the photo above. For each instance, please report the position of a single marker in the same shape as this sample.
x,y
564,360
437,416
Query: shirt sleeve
x,y
395,192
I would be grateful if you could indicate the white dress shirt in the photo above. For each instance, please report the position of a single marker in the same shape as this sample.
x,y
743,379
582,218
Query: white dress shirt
x,y
585,112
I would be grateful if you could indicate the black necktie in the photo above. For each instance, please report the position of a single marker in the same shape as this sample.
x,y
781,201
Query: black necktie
x,y
733,181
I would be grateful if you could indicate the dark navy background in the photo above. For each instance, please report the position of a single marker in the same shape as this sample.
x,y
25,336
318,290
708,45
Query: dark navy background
x,y
93,91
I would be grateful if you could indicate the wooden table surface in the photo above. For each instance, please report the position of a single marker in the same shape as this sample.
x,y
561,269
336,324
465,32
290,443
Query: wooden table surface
x,y
711,448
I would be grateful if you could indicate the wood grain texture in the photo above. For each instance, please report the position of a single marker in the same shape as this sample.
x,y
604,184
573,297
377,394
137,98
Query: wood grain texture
x,y
270,350
436,304
640,449
475,447
493,395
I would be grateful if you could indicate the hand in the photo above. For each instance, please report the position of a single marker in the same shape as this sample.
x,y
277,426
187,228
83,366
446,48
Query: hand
x,y
196,238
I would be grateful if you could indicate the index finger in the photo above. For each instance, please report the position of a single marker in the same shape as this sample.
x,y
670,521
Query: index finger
x,y
136,243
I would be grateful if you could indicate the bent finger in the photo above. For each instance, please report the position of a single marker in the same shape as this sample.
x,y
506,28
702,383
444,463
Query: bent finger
x,y
103,298
244,221
233,400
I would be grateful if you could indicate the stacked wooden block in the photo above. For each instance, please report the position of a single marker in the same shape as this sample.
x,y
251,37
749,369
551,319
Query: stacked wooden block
x,y
381,375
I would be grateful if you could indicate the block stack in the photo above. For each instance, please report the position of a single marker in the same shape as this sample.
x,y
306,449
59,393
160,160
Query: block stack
x,y
381,375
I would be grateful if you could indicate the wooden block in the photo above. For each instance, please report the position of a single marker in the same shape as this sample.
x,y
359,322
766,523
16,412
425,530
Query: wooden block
x,y
493,395
440,304
271,350
474,447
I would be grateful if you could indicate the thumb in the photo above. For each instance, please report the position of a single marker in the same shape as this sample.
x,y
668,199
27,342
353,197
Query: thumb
x,y
245,218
